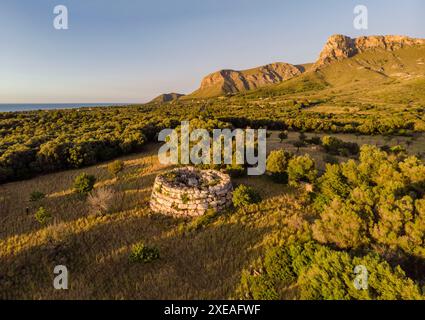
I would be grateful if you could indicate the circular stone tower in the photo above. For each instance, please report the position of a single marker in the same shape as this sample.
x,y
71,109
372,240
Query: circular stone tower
x,y
191,192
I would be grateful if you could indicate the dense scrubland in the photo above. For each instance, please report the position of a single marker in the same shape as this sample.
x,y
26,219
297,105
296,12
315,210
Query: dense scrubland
x,y
46,141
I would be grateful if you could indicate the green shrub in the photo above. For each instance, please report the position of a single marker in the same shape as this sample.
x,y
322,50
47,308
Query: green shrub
x,y
333,183
326,278
314,140
279,266
116,167
244,195
141,253
376,200
336,146
42,215
277,165
331,144
200,222
84,183
283,135
322,273
397,149
257,287
301,169
37,196
299,144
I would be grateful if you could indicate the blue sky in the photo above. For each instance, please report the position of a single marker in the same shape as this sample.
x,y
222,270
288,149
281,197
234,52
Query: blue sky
x,y
131,51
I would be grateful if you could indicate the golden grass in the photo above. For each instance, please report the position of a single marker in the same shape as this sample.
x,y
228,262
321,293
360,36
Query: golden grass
x,y
201,264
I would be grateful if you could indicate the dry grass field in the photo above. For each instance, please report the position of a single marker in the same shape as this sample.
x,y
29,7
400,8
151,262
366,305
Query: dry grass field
x,y
204,263
199,258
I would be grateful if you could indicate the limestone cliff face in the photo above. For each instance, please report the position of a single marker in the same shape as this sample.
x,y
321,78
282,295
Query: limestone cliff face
x,y
232,81
339,47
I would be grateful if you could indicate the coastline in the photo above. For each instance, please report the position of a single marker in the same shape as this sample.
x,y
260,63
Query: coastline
x,y
19,107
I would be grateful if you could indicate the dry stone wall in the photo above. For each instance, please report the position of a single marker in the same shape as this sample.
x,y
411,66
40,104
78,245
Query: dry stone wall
x,y
191,192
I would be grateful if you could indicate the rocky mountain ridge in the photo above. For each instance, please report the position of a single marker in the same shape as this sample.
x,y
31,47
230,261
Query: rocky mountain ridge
x,y
340,47
337,48
232,81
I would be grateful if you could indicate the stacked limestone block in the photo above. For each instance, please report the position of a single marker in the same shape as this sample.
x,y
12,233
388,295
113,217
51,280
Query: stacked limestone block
x,y
191,192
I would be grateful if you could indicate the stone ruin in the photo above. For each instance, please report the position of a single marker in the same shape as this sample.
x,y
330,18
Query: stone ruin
x,y
191,192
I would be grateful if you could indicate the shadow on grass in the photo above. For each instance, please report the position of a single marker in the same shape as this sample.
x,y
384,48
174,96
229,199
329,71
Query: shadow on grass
x,y
67,207
205,264
264,186
29,274
201,264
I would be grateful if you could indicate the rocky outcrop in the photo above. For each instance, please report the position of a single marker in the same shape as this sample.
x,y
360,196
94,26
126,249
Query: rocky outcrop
x,y
191,192
232,81
339,47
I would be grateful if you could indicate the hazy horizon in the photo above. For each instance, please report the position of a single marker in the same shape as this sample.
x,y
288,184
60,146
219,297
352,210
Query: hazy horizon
x,y
134,51
14,107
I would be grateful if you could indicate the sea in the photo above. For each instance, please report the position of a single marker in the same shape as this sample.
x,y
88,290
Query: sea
x,y
10,107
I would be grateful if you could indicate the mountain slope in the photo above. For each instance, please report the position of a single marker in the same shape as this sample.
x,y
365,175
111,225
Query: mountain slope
x,y
377,64
167,97
350,64
374,61
392,78
339,47
232,81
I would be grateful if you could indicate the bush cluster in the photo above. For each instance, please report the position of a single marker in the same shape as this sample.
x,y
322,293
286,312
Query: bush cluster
x,y
377,200
36,196
284,167
321,273
244,195
335,146
84,183
44,141
42,215
141,253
